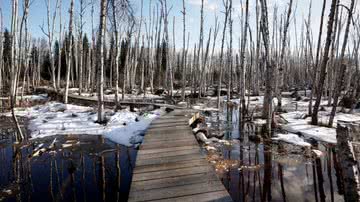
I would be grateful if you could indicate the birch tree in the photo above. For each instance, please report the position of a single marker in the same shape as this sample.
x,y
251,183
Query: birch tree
x,y
100,74
13,66
69,51
50,36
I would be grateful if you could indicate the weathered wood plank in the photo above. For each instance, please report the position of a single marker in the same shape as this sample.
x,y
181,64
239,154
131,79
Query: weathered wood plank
x,y
219,196
178,191
167,138
168,132
166,144
160,150
171,173
170,166
168,159
170,120
168,154
181,127
167,125
173,181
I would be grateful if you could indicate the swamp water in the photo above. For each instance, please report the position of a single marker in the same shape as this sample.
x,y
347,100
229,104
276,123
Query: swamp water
x,y
269,170
77,168
91,168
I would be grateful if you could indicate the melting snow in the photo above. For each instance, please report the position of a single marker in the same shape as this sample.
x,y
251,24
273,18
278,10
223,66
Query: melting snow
x,y
54,118
292,139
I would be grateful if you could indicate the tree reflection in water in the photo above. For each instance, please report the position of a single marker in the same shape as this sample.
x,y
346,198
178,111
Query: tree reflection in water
x,y
269,171
91,169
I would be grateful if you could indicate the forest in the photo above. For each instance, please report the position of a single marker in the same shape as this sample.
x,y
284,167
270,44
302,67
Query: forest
x,y
270,88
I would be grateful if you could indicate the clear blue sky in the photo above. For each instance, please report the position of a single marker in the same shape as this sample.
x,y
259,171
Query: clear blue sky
x,y
212,7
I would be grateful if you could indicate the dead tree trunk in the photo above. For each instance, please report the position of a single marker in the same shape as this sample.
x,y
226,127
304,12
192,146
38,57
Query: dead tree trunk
x,y
69,56
320,85
348,155
183,78
50,35
280,80
116,63
13,67
59,48
341,75
222,53
242,64
267,111
100,74
316,66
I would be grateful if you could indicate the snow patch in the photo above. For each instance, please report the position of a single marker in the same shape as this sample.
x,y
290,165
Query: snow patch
x,y
54,118
292,139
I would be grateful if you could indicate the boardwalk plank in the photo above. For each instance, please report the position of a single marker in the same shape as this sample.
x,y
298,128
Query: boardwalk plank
x,y
219,196
171,173
168,154
171,159
178,191
160,150
170,165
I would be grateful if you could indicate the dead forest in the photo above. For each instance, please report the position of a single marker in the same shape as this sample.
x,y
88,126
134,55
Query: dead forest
x,y
270,90
127,51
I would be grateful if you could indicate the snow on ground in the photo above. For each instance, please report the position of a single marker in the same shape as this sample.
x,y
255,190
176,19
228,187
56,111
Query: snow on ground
x,y
292,139
126,96
40,97
297,123
54,118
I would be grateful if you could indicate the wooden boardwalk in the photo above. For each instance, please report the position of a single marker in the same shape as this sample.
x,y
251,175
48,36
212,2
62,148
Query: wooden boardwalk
x,y
170,166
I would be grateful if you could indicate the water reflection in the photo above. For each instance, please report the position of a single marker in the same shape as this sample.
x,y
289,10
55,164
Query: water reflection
x,y
267,171
77,168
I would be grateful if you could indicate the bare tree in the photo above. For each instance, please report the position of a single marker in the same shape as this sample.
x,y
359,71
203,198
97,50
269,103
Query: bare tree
x,y
264,27
227,10
69,51
183,63
315,71
320,84
242,63
83,6
14,67
116,63
100,74
341,75
1,48
59,48
280,80
50,35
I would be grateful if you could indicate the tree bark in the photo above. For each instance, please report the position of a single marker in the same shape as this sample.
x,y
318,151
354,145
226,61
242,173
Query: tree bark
x,y
341,75
100,74
320,86
69,56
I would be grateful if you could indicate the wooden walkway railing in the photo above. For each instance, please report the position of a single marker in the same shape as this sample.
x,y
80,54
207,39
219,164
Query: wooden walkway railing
x,y
170,166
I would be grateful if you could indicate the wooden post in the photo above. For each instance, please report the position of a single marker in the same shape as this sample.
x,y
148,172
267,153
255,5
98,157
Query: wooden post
x,y
348,155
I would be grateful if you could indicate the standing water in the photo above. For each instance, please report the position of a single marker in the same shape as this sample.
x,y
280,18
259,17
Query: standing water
x,y
252,169
76,168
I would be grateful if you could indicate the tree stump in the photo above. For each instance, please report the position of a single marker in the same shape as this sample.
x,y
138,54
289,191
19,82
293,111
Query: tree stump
x,y
348,153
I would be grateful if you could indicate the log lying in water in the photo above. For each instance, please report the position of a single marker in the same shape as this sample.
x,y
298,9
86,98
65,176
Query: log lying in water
x,y
348,153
